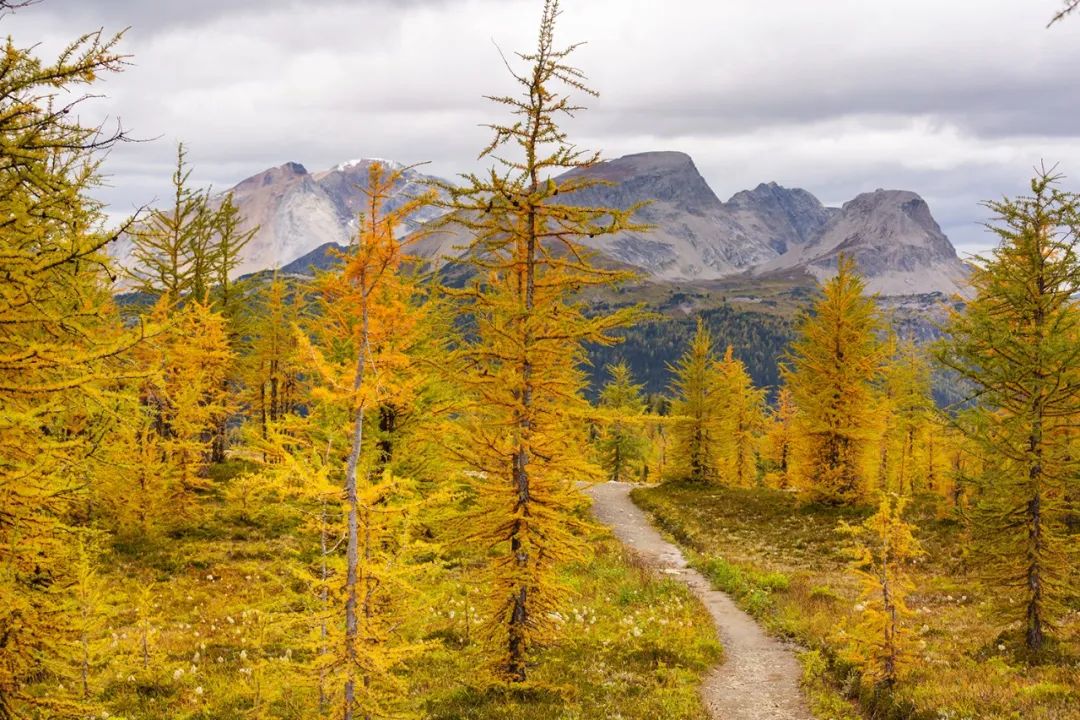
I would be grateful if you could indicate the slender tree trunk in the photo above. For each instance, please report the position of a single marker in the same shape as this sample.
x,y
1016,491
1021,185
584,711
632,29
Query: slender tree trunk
x,y
351,499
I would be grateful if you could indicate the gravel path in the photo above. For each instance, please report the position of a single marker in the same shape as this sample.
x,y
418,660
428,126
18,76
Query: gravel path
x,y
759,677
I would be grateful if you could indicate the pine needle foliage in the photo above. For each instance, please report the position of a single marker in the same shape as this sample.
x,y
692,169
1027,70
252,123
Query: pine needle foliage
x,y
526,417
1018,344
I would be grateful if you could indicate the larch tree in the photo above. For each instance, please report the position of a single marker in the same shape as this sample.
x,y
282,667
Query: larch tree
x,y
272,373
60,338
170,246
1016,344
779,442
742,421
831,371
361,357
622,444
183,391
882,549
909,408
696,434
525,423
228,240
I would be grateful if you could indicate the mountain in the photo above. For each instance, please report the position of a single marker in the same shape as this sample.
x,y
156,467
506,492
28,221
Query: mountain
x,y
895,241
694,236
891,234
297,211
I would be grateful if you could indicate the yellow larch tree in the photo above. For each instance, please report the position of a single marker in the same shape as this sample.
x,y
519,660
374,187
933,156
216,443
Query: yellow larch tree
x,y
742,420
360,353
524,437
779,442
184,393
1015,343
696,410
907,463
622,443
831,370
882,549
59,340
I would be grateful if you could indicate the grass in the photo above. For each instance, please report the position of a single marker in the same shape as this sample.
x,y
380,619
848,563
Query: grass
x,y
784,563
231,629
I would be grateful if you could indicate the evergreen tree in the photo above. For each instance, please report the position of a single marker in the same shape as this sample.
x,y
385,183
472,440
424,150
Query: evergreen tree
x,y
1016,343
831,370
623,444
697,434
525,421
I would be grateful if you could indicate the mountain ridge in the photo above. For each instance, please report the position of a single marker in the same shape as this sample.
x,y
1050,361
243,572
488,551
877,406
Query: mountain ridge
x,y
694,235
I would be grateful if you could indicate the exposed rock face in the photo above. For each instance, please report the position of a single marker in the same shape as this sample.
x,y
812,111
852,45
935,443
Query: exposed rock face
x,y
297,211
786,218
891,234
893,239
692,235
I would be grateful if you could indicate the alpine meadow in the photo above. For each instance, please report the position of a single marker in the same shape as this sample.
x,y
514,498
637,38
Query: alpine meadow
x,y
512,428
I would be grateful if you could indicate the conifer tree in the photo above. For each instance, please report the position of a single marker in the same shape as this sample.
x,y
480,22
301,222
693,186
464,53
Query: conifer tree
x,y
1016,343
361,356
227,244
742,421
171,246
909,406
59,342
623,444
831,370
882,548
526,421
697,434
184,394
273,372
779,441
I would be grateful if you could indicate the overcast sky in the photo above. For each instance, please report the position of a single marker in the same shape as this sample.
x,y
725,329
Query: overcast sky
x,y
954,99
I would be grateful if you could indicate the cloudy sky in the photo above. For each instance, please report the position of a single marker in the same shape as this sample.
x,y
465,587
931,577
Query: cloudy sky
x,y
954,99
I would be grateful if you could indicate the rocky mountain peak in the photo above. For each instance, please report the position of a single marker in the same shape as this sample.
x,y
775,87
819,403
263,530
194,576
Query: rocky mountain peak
x,y
893,239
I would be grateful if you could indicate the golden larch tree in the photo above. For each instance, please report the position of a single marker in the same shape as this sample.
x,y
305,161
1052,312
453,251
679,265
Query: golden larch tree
x,y
1016,343
831,370
524,425
59,340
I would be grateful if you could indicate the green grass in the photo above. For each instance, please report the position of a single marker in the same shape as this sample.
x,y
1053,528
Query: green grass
x,y
229,629
784,563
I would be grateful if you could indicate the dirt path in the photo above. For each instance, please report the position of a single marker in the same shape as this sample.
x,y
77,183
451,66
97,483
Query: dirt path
x,y
759,677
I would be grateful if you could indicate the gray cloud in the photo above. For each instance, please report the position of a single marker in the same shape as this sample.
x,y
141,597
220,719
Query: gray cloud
x,y
956,101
